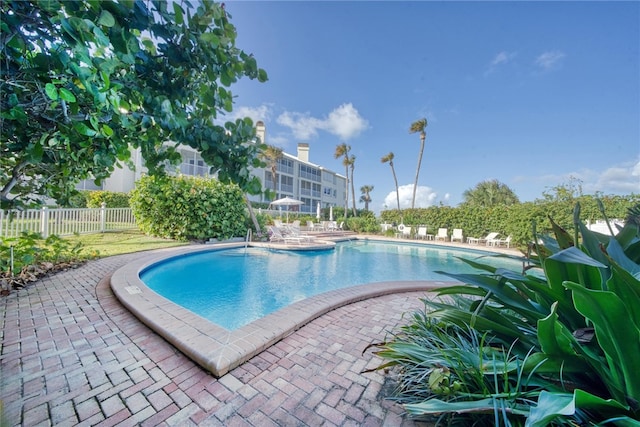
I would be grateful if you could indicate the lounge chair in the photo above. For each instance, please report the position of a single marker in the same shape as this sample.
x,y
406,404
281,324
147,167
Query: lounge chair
x,y
294,233
443,234
500,242
406,233
457,235
478,240
276,235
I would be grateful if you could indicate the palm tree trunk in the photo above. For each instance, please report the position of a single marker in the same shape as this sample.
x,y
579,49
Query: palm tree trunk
x,y
415,184
395,178
252,214
353,193
346,191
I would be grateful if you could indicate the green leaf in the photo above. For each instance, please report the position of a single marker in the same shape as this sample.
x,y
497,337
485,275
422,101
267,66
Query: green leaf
x,y
83,129
107,131
67,95
210,38
553,405
106,19
179,14
617,335
51,91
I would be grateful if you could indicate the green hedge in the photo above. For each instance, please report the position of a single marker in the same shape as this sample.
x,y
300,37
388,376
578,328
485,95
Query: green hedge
x,y
188,208
514,220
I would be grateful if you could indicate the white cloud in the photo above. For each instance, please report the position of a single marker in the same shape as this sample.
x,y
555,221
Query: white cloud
x,y
550,59
263,112
425,197
302,125
345,122
619,179
500,59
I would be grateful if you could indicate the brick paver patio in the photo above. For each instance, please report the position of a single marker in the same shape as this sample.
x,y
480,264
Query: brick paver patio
x,y
73,355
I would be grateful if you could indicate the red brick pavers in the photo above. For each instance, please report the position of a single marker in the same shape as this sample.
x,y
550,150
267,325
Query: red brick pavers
x,y
72,355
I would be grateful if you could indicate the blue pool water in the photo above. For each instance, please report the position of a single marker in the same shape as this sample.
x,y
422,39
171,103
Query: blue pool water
x,y
234,287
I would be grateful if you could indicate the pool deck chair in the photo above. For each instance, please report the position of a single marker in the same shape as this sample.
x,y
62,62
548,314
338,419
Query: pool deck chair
x,y
500,242
277,236
478,240
422,233
457,235
443,234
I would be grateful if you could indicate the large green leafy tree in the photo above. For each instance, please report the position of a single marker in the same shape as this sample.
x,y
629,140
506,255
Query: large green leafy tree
x,y
82,83
490,193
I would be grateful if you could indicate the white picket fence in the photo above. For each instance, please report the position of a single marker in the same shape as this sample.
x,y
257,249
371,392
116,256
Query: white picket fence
x,y
65,221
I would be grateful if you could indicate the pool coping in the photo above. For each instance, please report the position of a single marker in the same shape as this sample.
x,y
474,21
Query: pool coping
x,y
217,349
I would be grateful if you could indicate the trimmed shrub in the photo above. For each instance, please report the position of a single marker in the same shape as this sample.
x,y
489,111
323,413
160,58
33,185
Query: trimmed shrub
x,y
188,208
110,198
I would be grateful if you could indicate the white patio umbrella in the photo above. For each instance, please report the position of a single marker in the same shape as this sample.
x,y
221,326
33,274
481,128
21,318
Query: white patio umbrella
x,y
286,201
318,212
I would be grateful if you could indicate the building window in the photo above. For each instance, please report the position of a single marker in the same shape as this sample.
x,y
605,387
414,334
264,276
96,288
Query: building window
x,y
285,166
310,173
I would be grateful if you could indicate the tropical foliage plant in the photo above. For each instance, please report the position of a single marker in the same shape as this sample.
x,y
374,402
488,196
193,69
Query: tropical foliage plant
x,y
555,344
84,82
26,258
188,208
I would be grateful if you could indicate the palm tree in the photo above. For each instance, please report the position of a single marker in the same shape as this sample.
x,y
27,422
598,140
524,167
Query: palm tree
x,y
272,154
352,166
418,127
366,196
389,158
342,150
490,193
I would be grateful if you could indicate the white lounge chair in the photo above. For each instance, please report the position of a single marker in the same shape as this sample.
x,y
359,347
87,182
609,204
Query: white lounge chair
x,y
406,233
443,234
457,235
478,240
500,242
276,235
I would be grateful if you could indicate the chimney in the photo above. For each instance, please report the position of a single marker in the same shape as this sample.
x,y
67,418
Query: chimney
x,y
261,132
303,151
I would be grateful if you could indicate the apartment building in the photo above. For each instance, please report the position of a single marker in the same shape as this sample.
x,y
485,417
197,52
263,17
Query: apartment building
x,y
296,177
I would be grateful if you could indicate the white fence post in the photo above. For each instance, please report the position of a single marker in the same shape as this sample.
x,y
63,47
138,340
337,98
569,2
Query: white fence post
x,y
44,222
103,217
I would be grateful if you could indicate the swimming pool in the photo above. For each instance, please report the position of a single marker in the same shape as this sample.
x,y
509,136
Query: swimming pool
x,y
219,349
234,287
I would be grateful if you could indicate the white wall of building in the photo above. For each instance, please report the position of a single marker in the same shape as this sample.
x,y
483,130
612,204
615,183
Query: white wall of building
x,y
296,177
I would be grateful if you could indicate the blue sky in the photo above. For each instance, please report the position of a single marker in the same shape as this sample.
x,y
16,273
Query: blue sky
x,y
532,94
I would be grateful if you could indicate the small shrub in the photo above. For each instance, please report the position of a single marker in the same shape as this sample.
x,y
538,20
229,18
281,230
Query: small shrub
x,y
188,208
110,198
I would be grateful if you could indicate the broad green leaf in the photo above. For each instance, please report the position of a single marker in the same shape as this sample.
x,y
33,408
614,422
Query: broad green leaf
x,y
51,91
83,129
627,287
67,95
616,332
106,19
483,406
574,255
554,338
553,405
178,14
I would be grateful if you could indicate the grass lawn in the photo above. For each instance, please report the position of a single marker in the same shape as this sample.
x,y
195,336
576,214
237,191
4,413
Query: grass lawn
x,y
121,242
